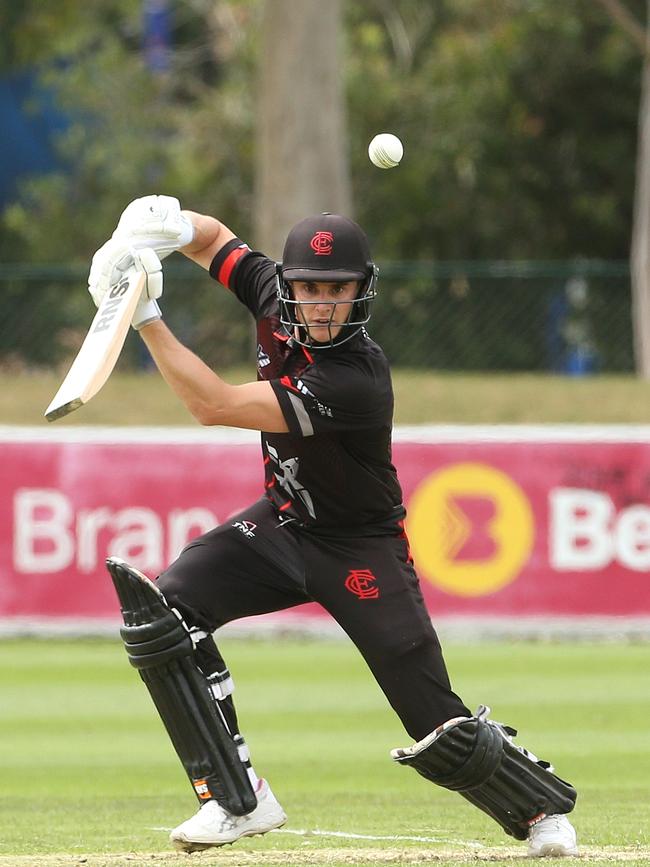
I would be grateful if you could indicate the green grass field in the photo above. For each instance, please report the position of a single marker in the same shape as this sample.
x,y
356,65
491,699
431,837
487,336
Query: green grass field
x,y
421,397
88,775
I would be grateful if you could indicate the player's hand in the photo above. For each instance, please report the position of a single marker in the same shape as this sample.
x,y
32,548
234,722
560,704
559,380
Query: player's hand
x,y
112,261
155,222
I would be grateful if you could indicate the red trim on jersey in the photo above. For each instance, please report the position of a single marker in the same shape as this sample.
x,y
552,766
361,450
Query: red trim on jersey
x,y
270,484
286,506
229,263
286,382
310,358
267,460
402,535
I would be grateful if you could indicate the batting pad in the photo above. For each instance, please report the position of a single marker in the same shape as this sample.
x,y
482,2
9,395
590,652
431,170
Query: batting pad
x,y
477,757
158,644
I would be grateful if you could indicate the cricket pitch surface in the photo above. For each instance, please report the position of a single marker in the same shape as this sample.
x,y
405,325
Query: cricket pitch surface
x,y
229,857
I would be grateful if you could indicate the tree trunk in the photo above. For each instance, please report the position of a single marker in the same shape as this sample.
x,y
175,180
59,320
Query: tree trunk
x,y
301,137
640,252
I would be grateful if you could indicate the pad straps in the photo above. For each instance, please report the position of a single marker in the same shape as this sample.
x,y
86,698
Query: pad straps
x,y
158,644
477,757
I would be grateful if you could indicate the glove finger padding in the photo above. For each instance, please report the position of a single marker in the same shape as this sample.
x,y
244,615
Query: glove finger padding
x,y
153,211
98,281
147,260
155,222
147,309
113,259
108,265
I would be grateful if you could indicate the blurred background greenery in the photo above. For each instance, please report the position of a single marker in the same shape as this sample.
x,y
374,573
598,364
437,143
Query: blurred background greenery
x,y
503,237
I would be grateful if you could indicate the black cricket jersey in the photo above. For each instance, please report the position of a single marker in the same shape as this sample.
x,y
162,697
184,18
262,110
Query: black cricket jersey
x,y
332,474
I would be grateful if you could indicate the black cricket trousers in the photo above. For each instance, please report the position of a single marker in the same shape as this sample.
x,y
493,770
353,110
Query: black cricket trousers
x,y
255,564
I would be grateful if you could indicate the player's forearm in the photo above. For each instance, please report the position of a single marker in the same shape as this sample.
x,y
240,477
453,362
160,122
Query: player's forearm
x,y
197,386
209,237
210,399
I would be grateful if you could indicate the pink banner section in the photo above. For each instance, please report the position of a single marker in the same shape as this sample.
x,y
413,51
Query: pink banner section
x,y
500,524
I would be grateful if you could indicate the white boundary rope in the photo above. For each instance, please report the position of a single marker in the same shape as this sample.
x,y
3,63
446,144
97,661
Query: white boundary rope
x,y
392,838
349,835
460,433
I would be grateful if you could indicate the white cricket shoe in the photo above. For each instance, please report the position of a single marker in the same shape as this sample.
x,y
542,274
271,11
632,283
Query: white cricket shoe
x,y
214,826
552,836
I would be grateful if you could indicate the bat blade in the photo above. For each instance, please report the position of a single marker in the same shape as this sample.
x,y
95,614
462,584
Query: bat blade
x,y
101,347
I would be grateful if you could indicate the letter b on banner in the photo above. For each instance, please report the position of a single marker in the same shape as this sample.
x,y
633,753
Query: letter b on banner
x,y
588,535
43,541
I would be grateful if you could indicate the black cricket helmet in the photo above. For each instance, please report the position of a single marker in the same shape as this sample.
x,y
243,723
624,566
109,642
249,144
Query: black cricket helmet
x,y
327,248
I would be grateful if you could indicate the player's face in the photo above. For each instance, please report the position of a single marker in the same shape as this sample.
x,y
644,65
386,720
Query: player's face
x,y
324,307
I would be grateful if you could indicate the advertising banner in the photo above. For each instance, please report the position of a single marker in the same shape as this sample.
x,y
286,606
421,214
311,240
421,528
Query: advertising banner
x,y
515,522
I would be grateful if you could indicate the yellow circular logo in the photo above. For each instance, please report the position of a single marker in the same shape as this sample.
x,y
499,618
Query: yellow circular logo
x,y
471,529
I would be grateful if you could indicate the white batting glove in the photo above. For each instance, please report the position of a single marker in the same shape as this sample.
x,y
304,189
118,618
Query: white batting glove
x,y
109,264
156,222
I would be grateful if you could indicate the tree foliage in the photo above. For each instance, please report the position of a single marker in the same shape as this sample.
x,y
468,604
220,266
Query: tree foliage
x,y
134,130
518,117
519,121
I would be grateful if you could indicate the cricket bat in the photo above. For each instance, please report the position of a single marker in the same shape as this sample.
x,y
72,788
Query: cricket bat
x,y
101,347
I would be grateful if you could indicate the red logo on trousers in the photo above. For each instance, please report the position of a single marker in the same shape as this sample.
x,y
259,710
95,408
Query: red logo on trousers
x,y
361,582
322,243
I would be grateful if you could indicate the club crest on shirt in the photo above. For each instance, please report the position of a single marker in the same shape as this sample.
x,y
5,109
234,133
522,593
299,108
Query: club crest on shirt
x,y
362,582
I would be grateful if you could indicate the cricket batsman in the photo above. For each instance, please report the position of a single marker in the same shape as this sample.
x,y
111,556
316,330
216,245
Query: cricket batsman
x,y
329,528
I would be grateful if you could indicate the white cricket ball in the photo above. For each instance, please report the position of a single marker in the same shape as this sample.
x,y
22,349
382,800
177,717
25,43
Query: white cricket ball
x,y
385,150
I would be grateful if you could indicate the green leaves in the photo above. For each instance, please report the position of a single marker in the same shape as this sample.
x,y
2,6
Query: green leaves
x,y
518,120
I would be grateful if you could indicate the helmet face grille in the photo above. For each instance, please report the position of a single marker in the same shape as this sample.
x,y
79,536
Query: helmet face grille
x,y
360,312
326,248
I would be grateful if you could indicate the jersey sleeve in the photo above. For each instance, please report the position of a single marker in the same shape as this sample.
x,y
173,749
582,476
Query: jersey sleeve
x,y
248,274
335,397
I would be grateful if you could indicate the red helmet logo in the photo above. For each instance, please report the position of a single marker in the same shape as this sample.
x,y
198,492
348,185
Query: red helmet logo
x,y
361,582
322,243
